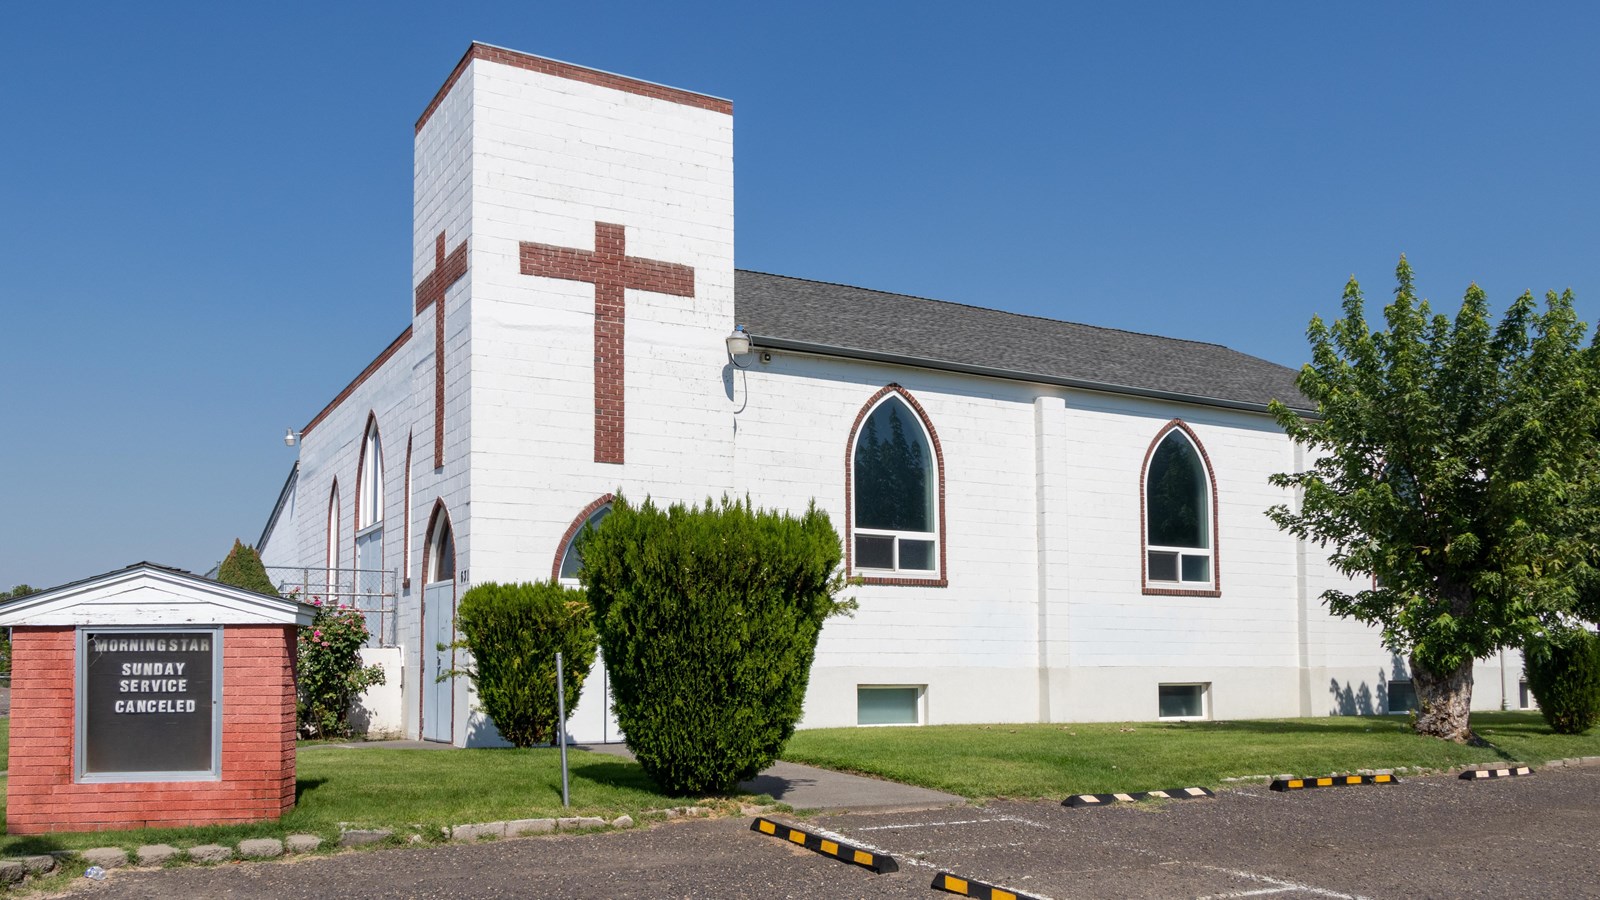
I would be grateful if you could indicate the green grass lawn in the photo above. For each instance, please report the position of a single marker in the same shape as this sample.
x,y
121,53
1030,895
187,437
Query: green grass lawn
x,y
413,791
984,761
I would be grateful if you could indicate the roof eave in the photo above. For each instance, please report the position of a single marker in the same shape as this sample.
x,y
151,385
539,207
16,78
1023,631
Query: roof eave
x,y
777,343
283,498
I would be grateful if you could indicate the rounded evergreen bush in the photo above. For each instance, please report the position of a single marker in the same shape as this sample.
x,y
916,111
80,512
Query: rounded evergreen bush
x,y
1563,672
514,632
708,620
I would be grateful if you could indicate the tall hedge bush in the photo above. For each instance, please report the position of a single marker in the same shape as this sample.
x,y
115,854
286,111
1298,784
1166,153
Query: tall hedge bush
x,y
514,632
708,619
1563,672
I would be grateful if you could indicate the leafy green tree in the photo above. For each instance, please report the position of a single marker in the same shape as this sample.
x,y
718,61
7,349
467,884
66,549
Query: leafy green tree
x,y
1454,464
514,632
708,620
243,569
20,590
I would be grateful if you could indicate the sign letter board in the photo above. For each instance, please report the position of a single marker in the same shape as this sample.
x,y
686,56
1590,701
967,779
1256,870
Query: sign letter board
x,y
149,703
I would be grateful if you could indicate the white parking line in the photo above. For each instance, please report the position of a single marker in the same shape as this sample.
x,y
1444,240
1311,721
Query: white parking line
x,y
847,839
988,820
1279,885
1270,887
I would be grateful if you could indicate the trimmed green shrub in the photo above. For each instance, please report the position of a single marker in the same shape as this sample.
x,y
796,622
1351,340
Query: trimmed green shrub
x,y
708,620
514,632
243,569
1563,672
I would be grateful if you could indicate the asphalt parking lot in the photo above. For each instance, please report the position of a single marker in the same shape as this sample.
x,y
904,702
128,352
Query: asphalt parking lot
x,y
1536,836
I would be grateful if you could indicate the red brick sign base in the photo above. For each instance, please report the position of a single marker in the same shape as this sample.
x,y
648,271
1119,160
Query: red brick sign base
x,y
258,721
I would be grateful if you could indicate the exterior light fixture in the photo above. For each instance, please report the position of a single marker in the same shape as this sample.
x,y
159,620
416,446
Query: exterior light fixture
x,y
738,342
290,437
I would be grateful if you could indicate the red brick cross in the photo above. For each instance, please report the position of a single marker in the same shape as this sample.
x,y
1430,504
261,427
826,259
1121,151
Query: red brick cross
x,y
446,271
612,272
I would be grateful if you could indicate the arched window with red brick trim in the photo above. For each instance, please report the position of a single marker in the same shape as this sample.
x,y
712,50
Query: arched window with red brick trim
x,y
369,503
1179,513
333,533
896,492
570,556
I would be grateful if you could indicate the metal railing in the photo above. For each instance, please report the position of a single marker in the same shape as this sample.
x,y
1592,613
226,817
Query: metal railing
x,y
370,591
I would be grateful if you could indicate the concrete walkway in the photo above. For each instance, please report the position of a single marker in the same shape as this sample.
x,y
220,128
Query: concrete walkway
x,y
807,787
802,787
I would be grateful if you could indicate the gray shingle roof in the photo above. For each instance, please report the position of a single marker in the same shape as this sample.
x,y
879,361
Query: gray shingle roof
x,y
793,313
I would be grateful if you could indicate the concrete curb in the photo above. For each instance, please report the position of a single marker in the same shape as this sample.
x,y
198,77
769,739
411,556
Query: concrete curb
x,y
881,863
1502,772
978,890
1083,801
1300,784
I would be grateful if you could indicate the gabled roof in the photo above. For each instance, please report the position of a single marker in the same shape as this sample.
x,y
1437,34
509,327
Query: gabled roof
x,y
151,595
838,320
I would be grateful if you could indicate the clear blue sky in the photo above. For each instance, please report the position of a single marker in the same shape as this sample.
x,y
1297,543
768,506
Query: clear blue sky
x,y
205,210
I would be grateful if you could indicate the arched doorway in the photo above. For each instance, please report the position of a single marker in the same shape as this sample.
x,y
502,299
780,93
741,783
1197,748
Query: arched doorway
x,y
438,628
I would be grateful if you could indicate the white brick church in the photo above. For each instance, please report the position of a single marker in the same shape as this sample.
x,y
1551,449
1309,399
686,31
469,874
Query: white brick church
x,y
1049,521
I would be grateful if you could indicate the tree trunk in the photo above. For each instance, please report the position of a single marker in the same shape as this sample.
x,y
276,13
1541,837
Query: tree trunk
x,y
1446,701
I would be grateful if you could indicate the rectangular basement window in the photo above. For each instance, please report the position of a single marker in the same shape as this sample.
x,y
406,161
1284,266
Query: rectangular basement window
x,y
1183,702
884,704
1402,698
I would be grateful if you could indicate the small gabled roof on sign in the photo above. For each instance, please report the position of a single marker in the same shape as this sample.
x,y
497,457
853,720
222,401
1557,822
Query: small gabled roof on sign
x,y
147,594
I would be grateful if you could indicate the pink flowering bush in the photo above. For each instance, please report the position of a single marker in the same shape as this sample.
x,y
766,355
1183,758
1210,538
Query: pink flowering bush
x,y
328,670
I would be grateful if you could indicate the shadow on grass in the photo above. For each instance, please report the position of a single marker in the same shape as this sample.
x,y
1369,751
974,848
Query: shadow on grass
x,y
1279,727
302,786
31,845
615,773
629,774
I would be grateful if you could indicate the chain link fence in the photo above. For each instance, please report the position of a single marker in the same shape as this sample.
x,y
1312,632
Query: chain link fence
x,y
371,591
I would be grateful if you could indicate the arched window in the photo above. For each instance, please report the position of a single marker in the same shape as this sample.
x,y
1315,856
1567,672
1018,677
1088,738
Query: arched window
x,y
440,564
1180,527
333,532
405,522
569,556
896,492
369,503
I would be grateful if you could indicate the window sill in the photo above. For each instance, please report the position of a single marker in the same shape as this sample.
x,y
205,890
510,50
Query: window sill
x,y
1151,591
900,580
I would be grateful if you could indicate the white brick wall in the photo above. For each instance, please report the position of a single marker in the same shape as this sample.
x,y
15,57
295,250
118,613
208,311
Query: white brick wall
x,y
551,158
1043,617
